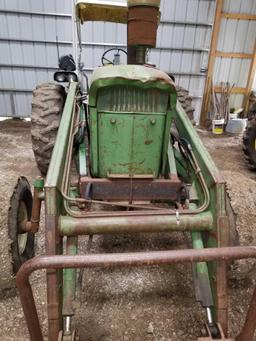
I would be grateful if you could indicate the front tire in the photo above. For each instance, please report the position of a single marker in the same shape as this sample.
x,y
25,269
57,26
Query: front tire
x,y
15,247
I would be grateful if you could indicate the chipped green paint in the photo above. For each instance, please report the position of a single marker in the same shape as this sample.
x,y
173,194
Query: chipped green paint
x,y
130,144
55,171
39,183
69,280
130,119
129,75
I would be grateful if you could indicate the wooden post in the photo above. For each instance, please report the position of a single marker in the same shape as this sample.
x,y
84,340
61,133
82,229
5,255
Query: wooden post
x,y
211,61
251,75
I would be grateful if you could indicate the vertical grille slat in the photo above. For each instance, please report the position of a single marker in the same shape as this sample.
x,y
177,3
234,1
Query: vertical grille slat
x,y
131,99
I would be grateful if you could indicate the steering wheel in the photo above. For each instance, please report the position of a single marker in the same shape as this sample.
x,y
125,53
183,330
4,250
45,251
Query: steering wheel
x,y
105,60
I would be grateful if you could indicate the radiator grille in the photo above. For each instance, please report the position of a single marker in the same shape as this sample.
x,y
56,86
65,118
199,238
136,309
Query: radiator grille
x,y
128,99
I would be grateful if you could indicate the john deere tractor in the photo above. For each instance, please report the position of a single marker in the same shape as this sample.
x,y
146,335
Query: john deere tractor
x,y
249,137
118,156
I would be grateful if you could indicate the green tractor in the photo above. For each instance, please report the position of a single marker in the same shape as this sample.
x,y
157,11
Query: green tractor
x,y
249,137
118,156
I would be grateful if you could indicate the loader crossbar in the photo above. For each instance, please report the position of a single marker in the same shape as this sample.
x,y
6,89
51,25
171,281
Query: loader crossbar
x,y
130,189
222,254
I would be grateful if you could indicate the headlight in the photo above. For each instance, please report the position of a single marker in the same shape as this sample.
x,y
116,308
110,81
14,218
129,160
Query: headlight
x,y
65,77
72,77
59,77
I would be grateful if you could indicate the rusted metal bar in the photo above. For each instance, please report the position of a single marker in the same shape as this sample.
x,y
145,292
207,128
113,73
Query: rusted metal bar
x,y
33,224
29,308
120,189
248,330
125,259
54,278
36,210
69,226
221,274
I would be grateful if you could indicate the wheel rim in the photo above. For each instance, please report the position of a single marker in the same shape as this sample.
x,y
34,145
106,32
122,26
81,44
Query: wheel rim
x,y
22,237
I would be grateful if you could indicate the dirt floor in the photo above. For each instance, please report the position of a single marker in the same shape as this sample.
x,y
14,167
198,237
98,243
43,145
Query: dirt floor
x,y
140,303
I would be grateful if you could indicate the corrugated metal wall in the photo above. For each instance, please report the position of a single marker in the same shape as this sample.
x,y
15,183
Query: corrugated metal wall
x,y
29,55
28,51
236,36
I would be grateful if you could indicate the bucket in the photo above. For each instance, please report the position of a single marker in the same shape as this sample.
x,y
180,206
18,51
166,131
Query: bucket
x,y
236,125
218,126
232,116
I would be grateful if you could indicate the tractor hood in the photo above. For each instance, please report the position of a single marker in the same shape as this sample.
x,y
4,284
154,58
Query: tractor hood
x,y
129,75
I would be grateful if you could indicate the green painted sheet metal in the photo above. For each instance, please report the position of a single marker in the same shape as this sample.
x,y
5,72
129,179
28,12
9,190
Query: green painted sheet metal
x,y
127,98
166,140
69,226
216,186
82,146
55,171
204,295
82,160
39,183
130,144
130,119
69,275
171,160
93,117
198,244
69,280
135,75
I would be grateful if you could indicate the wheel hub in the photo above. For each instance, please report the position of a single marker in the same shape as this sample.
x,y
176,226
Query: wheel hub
x,y
22,219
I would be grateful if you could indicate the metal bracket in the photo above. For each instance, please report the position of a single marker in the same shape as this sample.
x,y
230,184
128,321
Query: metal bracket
x,y
71,337
178,217
209,337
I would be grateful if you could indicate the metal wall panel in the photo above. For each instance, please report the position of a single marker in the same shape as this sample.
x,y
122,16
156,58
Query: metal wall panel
x,y
240,6
193,41
254,84
235,36
29,54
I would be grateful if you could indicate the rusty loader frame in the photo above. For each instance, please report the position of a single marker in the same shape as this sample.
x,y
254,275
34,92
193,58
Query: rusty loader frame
x,y
62,219
142,155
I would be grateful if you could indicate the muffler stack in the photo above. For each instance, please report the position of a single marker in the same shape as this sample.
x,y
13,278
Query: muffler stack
x,y
143,19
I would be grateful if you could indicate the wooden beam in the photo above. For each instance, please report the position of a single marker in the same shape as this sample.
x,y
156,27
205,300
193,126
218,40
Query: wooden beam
x,y
251,75
234,55
211,61
235,90
239,16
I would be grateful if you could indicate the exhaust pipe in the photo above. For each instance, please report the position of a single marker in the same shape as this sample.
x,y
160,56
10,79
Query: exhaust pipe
x,y
143,19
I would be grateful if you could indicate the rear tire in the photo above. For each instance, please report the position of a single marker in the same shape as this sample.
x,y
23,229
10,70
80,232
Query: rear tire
x,y
47,106
185,101
249,143
15,247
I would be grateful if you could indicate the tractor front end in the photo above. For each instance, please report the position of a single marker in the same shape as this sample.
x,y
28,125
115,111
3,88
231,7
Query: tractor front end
x,y
126,159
